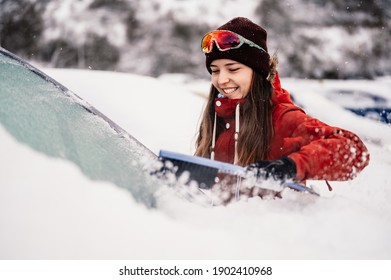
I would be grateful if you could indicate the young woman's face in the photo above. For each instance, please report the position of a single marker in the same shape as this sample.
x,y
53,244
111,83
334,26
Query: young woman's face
x,y
231,78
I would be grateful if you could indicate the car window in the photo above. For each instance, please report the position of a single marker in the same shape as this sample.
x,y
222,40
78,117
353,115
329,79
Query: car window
x,y
42,113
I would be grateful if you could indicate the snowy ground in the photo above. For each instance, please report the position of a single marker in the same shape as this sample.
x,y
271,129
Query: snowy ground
x,y
53,211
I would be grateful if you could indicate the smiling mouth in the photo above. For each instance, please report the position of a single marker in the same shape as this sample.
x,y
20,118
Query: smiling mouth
x,y
229,90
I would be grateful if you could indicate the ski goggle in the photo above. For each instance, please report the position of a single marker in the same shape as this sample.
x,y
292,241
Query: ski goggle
x,y
225,40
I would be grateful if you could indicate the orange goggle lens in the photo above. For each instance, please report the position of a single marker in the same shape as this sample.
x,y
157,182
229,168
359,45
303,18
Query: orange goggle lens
x,y
224,40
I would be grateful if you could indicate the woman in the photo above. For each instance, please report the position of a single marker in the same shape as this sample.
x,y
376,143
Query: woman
x,y
251,121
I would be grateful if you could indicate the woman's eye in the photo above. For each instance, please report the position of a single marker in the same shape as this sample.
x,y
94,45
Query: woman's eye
x,y
234,69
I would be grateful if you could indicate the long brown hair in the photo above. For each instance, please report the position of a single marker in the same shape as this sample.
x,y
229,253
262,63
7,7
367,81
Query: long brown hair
x,y
256,130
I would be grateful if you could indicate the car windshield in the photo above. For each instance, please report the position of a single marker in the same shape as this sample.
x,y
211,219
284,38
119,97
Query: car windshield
x,y
42,113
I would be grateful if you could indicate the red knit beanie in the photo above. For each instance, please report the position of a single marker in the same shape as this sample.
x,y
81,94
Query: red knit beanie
x,y
253,57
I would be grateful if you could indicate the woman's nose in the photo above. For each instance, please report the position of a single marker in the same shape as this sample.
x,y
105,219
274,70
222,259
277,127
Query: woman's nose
x,y
223,78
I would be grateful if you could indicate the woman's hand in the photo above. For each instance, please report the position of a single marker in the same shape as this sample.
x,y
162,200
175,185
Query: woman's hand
x,y
281,169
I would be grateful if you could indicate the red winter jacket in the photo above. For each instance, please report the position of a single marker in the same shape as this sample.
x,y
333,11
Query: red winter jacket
x,y
320,151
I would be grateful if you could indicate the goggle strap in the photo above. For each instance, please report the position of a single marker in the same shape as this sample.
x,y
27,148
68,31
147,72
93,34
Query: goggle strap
x,y
252,44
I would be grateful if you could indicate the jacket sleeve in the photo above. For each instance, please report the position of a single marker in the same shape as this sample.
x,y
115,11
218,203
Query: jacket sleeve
x,y
321,151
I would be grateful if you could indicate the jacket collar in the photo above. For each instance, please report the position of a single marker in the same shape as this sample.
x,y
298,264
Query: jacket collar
x,y
225,107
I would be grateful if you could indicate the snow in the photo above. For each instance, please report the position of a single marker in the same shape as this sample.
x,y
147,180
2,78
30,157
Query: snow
x,y
312,38
50,210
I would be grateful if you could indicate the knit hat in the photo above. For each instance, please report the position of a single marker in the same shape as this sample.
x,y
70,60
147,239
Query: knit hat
x,y
253,57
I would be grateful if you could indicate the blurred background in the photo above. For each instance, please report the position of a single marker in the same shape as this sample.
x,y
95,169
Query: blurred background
x,y
335,39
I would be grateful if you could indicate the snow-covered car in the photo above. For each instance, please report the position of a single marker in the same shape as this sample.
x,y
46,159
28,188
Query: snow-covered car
x,y
59,213
363,103
40,112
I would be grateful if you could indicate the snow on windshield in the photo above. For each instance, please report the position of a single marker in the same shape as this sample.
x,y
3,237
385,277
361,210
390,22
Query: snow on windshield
x,y
351,222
